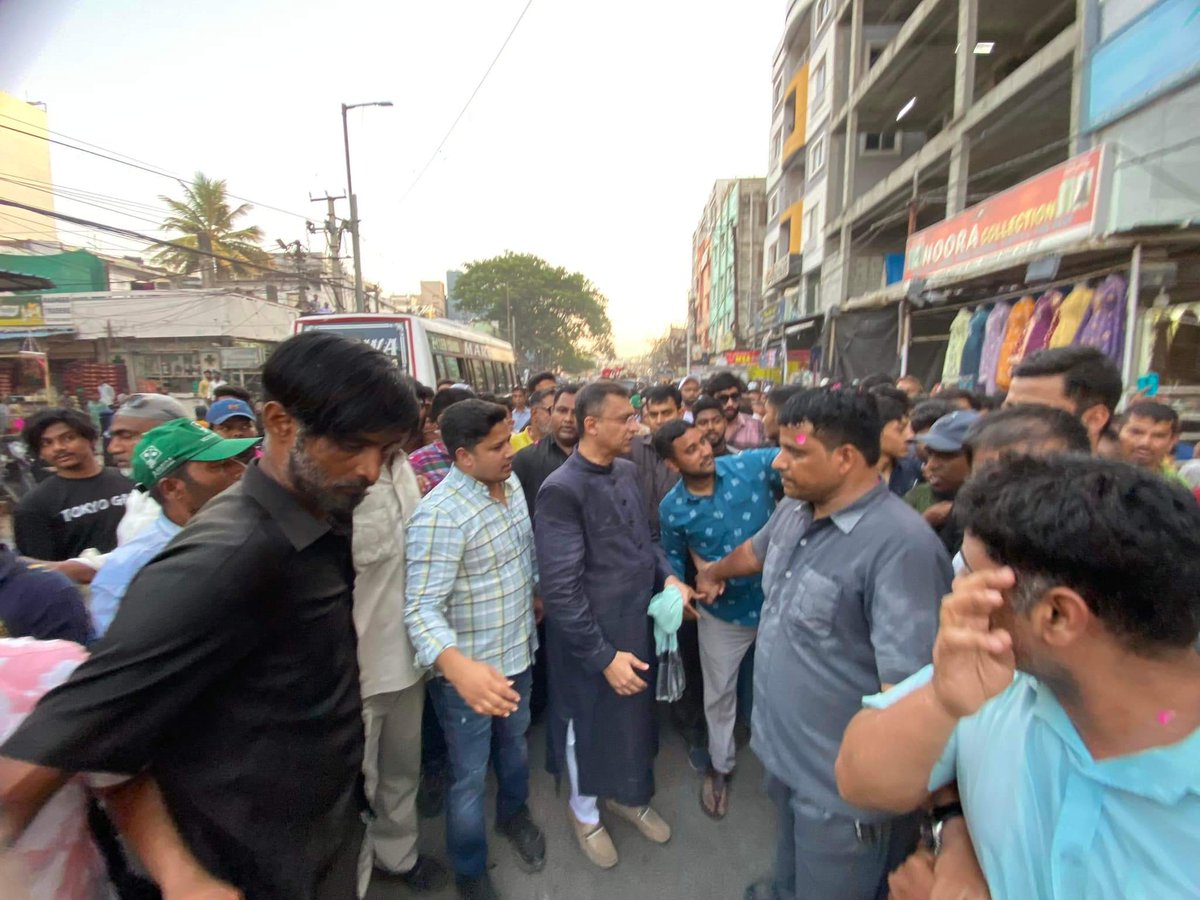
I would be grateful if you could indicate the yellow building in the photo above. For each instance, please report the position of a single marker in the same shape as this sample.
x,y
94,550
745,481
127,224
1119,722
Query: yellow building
x,y
25,164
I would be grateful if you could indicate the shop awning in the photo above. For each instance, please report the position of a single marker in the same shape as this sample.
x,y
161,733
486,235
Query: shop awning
x,y
21,281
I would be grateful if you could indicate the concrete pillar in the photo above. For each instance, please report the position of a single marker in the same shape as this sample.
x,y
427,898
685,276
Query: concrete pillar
x,y
851,157
964,96
1087,14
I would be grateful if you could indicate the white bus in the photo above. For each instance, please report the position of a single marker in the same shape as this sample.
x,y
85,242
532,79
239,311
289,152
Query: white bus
x,y
429,350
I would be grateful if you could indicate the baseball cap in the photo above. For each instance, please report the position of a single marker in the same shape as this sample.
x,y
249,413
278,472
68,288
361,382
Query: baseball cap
x,y
164,449
227,408
158,407
949,432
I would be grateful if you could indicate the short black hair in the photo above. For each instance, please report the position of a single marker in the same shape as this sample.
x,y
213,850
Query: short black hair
x,y
571,389
468,422
879,379
664,439
705,402
538,396
339,388
1089,377
424,392
540,376
77,420
779,396
925,413
1124,539
590,400
838,416
723,381
445,398
951,394
1155,412
201,412
1026,424
661,393
892,402
232,390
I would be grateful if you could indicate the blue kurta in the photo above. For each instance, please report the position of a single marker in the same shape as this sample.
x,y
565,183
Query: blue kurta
x,y
599,568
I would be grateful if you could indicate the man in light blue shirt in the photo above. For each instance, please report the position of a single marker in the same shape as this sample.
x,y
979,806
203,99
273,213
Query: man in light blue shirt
x,y
470,577
1064,696
182,465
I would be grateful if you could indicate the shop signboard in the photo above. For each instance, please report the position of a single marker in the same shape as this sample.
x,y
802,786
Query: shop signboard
x,y
243,358
18,312
1058,207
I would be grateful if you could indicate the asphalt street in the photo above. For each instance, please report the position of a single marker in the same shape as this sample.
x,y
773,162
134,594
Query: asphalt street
x,y
704,860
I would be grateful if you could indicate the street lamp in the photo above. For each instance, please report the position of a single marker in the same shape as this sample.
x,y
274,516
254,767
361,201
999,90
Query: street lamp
x,y
359,299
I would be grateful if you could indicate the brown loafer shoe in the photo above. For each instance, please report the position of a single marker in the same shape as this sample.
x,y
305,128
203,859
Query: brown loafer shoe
x,y
644,819
595,842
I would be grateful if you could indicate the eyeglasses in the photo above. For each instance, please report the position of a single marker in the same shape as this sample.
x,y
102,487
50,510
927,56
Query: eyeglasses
x,y
546,409
728,397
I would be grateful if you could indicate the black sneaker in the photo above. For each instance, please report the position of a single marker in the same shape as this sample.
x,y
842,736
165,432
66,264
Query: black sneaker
x,y
527,839
476,887
427,874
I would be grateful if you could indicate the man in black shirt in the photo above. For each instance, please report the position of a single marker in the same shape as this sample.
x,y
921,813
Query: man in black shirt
x,y
81,504
533,464
229,674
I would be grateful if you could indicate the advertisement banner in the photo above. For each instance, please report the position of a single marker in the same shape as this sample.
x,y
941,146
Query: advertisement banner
x,y
1057,207
18,312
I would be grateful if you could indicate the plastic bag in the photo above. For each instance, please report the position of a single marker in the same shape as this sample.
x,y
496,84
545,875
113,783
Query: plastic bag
x,y
671,680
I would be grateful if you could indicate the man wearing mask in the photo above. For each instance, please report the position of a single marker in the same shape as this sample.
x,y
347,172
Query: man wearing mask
x,y
229,677
600,567
182,466
852,580
470,578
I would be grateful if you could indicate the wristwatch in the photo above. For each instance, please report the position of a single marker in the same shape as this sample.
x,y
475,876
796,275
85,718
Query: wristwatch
x,y
937,823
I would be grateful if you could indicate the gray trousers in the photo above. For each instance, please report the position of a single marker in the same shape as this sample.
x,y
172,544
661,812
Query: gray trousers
x,y
722,648
830,856
392,772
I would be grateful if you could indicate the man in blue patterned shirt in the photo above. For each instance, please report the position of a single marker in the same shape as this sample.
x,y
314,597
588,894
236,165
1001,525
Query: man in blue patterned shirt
x,y
718,504
471,576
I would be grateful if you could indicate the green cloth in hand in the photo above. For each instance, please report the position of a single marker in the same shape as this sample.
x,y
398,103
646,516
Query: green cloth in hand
x,y
666,609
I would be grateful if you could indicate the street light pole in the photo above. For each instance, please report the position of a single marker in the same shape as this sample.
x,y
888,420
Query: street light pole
x,y
359,297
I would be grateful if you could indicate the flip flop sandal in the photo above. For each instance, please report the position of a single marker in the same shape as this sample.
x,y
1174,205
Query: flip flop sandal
x,y
714,795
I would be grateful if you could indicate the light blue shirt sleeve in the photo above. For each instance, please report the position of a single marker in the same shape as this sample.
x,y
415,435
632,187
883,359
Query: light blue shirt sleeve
x,y
945,770
107,589
434,547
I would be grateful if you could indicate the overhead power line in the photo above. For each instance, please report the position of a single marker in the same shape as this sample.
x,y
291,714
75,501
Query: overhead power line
x,y
462,112
153,170
136,235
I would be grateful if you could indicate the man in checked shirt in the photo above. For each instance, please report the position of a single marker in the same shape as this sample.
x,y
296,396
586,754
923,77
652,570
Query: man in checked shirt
x,y
471,577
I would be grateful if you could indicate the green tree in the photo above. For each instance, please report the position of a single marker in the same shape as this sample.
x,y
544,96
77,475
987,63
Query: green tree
x,y
204,220
559,318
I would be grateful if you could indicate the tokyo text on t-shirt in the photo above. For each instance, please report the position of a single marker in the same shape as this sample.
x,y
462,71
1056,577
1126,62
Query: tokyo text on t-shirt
x,y
62,517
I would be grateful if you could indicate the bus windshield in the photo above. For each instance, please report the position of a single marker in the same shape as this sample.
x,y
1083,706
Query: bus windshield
x,y
389,337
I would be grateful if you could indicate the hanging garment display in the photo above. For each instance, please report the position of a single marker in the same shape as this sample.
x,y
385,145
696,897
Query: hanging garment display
x,y
1072,316
954,350
1183,352
1105,326
993,337
968,372
1019,318
1037,332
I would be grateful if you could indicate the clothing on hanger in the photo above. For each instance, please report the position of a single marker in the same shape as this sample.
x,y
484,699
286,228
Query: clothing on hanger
x,y
968,374
1105,326
1019,318
1037,332
1072,316
954,349
993,337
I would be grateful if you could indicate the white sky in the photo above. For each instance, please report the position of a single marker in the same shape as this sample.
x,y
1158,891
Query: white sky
x,y
593,144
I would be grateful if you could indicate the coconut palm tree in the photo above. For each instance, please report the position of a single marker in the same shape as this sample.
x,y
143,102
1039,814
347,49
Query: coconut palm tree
x,y
204,221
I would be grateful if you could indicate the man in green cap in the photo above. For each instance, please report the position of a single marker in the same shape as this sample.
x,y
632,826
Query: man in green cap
x,y
182,466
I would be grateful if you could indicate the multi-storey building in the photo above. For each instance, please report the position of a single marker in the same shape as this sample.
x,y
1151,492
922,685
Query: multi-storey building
x,y
25,162
727,266
892,116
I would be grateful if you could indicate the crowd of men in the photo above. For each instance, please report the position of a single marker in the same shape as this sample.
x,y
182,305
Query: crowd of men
x,y
296,646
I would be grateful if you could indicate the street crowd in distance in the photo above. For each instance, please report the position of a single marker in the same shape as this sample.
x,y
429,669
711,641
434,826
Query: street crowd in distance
x,y
961,632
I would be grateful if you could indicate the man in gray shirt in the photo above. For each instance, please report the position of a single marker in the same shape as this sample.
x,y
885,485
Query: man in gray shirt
x,y
852,579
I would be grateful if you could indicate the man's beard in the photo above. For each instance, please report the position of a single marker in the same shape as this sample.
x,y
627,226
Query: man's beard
x,y
335,500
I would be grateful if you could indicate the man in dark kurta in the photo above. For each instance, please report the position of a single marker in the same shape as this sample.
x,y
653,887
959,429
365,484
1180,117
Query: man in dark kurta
x,y
599,569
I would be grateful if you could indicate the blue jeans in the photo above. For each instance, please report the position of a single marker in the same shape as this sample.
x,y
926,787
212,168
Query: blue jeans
x,y
472,740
